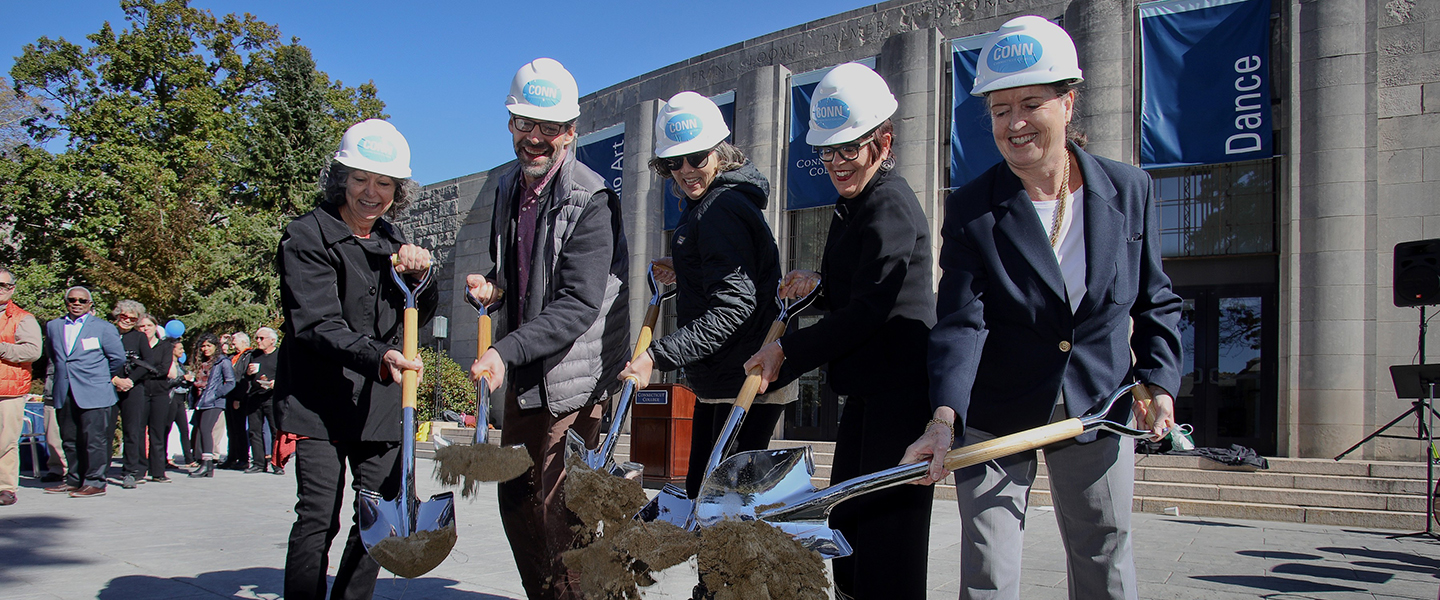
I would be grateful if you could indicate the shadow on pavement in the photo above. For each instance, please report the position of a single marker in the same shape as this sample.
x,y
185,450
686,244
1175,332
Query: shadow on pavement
x,y
1399,557
1278,555
268,583
27,542
1209,523
1323,572
1278,584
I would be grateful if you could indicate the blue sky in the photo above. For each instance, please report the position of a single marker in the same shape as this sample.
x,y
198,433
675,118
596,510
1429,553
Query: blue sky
x,y
443,68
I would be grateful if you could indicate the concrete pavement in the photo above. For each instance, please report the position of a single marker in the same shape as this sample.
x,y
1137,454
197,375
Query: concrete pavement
x,y
225,538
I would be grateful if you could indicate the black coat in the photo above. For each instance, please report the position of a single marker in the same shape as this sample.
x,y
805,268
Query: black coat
x,y
1007,341
158,359
342,312
727,267
877,287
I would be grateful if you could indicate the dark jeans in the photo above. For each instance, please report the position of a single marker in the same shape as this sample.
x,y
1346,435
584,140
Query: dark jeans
x,y
87,448
134,416
320,477
177,416
889,529
204,434
755,432
160,417
261,413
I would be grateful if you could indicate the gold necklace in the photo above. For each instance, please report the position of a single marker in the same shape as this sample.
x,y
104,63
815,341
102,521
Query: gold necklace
x,y
1059,216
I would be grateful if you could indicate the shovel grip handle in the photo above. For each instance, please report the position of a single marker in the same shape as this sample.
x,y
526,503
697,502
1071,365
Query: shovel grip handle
x,y
1144,398
1029,439
647,331
484,335
409,379
754,377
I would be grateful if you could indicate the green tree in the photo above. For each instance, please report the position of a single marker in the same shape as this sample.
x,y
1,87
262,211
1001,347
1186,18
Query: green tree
x,y
189,141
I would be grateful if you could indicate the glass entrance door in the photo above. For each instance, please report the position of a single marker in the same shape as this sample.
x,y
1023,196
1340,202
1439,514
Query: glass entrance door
x,y
1228,379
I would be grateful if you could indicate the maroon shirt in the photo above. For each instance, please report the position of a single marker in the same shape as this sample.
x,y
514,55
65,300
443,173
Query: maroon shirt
x,y
527,210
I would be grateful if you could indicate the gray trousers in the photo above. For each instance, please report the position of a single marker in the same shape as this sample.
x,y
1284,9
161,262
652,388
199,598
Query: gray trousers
x,y
1092,487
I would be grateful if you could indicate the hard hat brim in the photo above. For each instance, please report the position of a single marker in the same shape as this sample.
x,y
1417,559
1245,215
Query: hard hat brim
x,y
554,114
365,164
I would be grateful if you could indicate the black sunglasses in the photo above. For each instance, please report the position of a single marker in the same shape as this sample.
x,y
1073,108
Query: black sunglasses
x,y
849,151
697,160
77,300
547,128
6,285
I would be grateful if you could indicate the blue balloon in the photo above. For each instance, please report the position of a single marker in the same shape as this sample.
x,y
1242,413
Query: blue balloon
x,y
174,328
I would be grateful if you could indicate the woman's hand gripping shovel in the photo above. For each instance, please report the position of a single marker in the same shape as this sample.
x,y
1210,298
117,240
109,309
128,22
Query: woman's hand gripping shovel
x,y
406,536
672,505
480,461
774,485
602,459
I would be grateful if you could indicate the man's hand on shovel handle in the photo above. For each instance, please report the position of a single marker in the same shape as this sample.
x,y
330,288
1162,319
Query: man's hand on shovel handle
x,y
768,359
480,288
932,446
394,364
798,283
491,367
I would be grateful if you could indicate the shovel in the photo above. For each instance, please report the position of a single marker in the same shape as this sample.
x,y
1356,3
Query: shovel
x,y
602,459
423,532
482,395
672,505
774,485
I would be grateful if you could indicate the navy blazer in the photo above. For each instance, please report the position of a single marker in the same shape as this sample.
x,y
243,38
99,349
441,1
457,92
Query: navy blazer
x,y
1006,343
85,373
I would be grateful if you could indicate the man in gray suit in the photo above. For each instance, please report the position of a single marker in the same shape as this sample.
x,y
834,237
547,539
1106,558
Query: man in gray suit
x,y
86,353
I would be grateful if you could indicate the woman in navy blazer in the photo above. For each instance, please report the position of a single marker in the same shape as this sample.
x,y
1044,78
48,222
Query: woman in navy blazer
x,y
1048,260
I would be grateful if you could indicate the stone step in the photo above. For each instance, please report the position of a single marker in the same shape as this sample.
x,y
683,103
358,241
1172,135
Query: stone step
x,y
1372,519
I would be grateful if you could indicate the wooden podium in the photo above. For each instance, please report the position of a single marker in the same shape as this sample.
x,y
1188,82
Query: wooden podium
x,y
660,432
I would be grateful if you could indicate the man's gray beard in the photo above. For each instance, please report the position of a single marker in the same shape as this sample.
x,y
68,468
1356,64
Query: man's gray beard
x,y
538,169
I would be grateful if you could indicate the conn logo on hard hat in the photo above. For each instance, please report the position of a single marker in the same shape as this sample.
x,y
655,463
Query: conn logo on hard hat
x,y
539,92
830,113
683,127
1015,53
376,149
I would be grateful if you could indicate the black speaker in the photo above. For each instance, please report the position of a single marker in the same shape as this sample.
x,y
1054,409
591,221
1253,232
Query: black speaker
x,y
1417,273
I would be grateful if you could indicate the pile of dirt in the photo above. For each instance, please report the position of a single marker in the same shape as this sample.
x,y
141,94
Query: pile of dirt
x,y
413,556
477,463
617,564
740,560
598,497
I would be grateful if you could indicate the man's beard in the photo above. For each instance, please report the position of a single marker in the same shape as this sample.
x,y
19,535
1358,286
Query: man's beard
x,y
541,164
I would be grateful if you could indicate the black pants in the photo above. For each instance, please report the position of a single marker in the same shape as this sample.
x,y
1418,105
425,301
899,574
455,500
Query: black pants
x,y
160,417
177,416
709,419
239,448
260,413
134,417
320,485
83,434
204,434
889,529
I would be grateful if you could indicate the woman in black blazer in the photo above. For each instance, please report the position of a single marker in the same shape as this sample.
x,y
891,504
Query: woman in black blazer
x,y
1048,259
876,287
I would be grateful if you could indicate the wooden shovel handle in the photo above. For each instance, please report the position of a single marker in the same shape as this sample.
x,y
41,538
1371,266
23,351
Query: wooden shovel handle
x,y
1143,396
483,336
409,379
1029,439
754,377
647,331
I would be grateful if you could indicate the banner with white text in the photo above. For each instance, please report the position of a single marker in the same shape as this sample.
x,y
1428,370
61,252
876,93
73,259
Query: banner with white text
x,y
972,146
604,152
1206,94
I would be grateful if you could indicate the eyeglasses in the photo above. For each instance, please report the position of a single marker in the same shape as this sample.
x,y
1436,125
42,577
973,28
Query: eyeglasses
x,y
128,318
6,286
77,300
547,128
697,160
849,151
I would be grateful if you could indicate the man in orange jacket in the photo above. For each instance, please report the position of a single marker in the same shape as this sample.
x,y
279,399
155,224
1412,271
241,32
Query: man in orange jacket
x,y
19,346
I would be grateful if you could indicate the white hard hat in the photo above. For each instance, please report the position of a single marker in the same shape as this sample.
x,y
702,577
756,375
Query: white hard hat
x,y
1026,51
545,91
688,123
848,102
375,146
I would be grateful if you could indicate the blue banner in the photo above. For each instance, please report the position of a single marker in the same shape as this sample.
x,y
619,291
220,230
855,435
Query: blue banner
x,y
673,207
1206,95
972,145
807,185
604,152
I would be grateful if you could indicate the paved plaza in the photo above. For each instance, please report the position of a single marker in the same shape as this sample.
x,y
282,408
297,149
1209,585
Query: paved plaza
x,y
225,538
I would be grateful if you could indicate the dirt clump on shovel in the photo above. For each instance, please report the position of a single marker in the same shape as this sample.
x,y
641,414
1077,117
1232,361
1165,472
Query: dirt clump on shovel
x,y
478,463
597,496
740,560
413,556
616,554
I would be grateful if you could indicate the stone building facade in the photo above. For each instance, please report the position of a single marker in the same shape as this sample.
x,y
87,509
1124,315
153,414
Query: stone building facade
x,y
1356,87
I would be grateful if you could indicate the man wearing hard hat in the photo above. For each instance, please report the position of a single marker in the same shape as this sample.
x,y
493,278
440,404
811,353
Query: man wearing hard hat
x,y
560,258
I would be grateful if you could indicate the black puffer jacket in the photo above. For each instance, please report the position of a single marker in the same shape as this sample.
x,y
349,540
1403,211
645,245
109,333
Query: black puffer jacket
x,y
726,269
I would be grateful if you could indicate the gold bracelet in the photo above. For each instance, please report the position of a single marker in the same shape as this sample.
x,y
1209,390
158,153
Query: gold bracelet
x,y
947,424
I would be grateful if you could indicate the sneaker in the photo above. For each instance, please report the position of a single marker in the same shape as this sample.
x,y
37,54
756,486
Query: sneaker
x,y
128,483
7,498
278,470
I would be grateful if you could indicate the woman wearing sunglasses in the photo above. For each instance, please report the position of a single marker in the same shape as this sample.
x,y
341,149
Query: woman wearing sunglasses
x,y
878,291
726,267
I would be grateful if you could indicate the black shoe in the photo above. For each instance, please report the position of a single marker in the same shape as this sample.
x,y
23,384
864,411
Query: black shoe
x,y
206,469
51,478
255,469
278,470
161,479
